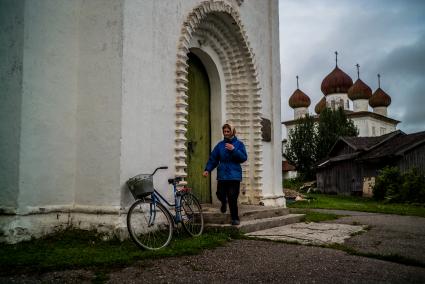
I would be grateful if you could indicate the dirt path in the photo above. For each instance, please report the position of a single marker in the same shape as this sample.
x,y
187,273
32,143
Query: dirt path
x,y
248,261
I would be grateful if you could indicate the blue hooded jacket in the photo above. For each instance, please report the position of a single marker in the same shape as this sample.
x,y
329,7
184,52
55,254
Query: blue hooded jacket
x,y
228,162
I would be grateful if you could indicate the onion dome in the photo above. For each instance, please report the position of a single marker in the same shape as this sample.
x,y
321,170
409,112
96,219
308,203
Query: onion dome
x,y
299,98
321,105
359,91
337,81
379,97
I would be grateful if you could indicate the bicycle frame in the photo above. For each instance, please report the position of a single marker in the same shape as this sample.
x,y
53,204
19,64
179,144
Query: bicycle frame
x,y
158,198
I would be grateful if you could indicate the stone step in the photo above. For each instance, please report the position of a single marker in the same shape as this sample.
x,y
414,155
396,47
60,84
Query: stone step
x,y
252,225
214,216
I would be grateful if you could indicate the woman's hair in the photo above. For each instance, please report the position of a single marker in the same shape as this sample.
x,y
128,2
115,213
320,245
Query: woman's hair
x,y
228,126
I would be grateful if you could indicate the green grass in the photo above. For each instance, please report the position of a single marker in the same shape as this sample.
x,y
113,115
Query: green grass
x,y
293,183
76,249
324,201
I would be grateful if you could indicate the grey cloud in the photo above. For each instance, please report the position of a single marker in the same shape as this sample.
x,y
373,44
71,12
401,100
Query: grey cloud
x,y
386,37
404,81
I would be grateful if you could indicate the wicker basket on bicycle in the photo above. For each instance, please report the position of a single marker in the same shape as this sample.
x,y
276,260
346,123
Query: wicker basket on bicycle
x,y
141,185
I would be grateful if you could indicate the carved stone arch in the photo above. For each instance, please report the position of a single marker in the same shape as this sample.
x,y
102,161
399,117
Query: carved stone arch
x,y
219,24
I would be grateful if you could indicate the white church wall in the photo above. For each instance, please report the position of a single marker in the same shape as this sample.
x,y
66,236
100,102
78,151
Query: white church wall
x,y
370,127
300,112
151,33
276,104
99,104
263,36
11,56
50,85
334,101
380,110
360,105
362,126
381,127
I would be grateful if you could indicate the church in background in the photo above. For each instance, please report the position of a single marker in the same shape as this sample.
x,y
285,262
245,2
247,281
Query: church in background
x,y
367,110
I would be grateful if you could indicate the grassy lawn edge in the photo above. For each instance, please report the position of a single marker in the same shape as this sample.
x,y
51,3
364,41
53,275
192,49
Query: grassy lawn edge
x,y
77,249
352,203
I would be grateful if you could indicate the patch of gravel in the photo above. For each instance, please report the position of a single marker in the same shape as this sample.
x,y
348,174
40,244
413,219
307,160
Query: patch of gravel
x,y
68,276
388,234
247,261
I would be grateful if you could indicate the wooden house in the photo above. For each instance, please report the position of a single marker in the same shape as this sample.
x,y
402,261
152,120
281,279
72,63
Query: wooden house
x,y
354,162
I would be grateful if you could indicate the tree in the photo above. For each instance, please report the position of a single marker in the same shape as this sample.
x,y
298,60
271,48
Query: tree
x,y
333,124
301,149
310,142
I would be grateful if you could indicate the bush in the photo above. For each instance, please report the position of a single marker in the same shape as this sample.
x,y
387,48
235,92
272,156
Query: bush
x,y
292,183
387,183
392,186
413,187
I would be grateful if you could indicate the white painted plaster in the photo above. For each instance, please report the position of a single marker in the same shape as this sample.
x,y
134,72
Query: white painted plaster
x,y
95,104
272,180
300,112
11,58
149,99
360,105
50,84
366,124
337,99
380,110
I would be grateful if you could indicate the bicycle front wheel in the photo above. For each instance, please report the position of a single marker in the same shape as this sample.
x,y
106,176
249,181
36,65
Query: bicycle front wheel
x,y
191,214
149,224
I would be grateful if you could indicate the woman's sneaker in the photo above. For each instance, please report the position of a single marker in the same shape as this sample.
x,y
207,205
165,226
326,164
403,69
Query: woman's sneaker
x,y
235,222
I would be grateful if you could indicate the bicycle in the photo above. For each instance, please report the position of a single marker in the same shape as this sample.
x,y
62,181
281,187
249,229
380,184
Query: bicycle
x,y
150,223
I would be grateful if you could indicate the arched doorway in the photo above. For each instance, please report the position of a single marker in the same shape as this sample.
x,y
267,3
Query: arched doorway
x,y
217,26
198,128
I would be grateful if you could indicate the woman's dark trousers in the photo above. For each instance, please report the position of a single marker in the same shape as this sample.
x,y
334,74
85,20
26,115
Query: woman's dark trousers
x,y
228,191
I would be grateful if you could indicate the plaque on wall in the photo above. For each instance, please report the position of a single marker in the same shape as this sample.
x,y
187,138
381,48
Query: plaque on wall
x,y
266,129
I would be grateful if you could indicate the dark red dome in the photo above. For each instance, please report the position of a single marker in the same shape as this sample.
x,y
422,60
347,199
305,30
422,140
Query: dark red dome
x,y
336,82
359,91
299,99
321,105
379,99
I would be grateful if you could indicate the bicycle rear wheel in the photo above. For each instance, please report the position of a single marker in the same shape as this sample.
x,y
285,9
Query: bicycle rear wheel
x,y
149,224
191,214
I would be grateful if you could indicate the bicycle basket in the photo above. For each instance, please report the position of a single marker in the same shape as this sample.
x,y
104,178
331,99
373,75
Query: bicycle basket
x,y
140,185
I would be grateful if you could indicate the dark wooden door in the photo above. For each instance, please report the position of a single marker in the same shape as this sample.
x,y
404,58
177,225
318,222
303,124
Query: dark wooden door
x,y
198,129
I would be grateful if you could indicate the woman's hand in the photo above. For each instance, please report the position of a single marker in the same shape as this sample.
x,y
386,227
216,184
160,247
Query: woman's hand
x,y
205,174
229,146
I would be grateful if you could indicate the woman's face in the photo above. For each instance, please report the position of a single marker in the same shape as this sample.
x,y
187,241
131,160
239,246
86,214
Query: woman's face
x,y
227,133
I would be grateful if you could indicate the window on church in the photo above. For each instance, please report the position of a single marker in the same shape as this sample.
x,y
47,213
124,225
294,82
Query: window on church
x,y
383,130
341,103
373,131
333,104
348,104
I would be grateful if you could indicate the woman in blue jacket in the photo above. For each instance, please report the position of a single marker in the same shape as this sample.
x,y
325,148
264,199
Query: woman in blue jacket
x,y
228,155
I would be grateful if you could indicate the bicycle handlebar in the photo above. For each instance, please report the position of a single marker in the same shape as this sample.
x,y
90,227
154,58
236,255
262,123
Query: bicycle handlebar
x,y
160,168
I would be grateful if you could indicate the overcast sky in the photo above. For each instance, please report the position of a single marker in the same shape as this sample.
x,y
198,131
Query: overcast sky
x,y
382,36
